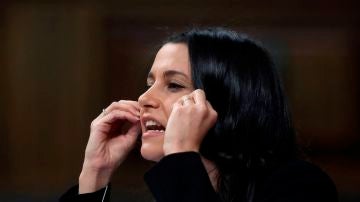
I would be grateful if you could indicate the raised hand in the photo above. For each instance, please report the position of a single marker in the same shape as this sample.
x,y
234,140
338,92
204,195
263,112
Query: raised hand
x,y
112,136
191,118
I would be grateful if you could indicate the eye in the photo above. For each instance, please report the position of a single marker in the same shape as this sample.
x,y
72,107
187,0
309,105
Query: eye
x,y
174,86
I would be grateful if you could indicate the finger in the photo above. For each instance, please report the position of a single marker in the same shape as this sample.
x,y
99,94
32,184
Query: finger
x,y
125,105
131,102
213,113
180,101
176,104
102,114
199,96
210,107
187,99
136,129
116,115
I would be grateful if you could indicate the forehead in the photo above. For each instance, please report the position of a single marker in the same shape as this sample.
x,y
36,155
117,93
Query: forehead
x,y
172,57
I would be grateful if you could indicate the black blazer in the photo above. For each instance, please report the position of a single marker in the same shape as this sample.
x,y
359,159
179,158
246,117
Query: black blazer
x,y
182,177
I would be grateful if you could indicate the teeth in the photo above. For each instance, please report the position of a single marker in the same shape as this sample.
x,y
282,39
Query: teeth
x,y
151,123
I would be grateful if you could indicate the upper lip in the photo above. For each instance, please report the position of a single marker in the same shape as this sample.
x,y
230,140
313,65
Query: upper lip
x,y
146,118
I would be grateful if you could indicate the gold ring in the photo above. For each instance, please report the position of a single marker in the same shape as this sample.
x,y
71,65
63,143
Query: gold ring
x,y
187,98
103,112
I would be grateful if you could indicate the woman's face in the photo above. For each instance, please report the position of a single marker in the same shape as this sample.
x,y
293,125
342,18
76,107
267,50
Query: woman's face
x,y
168,80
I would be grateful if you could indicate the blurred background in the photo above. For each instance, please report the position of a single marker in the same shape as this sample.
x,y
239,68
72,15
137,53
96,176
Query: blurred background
x,y
62,62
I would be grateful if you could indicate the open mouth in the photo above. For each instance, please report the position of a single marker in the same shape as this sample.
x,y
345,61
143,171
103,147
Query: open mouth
x,y
152,125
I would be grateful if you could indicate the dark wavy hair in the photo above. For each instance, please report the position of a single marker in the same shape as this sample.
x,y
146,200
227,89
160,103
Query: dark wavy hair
x,y
254,132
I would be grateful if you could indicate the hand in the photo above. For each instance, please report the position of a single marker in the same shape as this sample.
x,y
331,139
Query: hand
x,y
191,118
112,136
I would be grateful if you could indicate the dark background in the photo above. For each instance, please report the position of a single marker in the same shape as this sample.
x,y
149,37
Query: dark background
x,y
62,62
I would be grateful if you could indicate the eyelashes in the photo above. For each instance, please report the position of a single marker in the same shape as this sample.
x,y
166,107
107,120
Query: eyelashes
x,y
171,86
175,86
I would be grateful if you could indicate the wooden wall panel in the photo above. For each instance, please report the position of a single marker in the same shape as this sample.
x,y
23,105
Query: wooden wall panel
x,y
55,81
61,63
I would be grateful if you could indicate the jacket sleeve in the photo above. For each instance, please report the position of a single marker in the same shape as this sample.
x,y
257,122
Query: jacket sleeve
x,y
180,177
299,181
72,195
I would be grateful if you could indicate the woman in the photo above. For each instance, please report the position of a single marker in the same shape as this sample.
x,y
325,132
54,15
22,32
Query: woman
x,y
215,120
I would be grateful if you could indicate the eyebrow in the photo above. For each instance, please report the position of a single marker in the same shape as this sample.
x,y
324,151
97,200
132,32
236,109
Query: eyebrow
x,y
168,73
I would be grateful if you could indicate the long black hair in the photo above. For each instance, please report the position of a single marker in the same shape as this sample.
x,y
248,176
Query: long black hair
x,y
254,132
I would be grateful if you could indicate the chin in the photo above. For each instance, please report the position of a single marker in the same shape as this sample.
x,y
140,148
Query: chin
x,y
152,150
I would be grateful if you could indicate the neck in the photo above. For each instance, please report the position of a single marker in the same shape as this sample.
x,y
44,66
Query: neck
x,y
211,171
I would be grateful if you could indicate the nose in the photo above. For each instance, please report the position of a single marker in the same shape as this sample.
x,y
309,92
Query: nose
x,y
148,99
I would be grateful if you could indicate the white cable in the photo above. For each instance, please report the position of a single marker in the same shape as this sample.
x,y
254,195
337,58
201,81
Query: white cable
x,y
104,194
